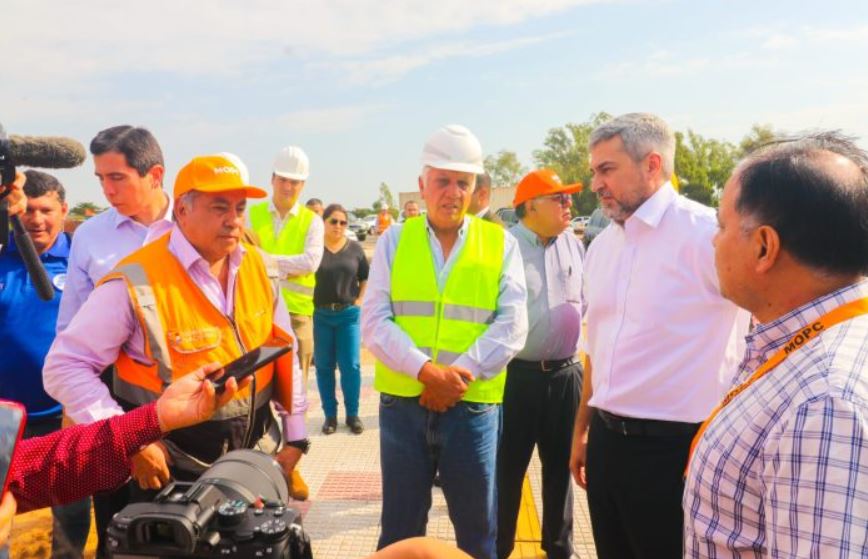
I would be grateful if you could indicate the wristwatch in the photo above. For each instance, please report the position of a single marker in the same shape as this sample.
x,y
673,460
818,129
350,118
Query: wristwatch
x,y
302,444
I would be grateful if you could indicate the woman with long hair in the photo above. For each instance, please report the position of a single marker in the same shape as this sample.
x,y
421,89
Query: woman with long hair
x,y
340,284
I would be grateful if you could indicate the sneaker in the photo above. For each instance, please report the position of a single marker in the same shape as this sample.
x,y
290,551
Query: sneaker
x,y
330,425
355,424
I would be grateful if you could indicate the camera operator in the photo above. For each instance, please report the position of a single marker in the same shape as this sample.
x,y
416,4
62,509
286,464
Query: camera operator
x,y
27,331
72,463
192,296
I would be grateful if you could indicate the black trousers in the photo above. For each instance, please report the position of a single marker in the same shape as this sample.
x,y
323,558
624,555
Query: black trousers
x,y
538,410
635,484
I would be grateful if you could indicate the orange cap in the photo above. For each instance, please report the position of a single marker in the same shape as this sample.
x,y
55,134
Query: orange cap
x,y
213,173
541,182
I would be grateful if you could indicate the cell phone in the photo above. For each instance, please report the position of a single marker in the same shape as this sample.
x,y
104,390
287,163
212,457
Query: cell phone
x,y
252,361
12,420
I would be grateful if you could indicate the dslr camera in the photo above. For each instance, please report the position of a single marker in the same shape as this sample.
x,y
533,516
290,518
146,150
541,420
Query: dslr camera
x,y
236,508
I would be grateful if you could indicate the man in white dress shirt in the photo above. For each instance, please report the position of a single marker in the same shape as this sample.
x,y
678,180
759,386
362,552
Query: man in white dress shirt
x,y
292,234
128,163
662,343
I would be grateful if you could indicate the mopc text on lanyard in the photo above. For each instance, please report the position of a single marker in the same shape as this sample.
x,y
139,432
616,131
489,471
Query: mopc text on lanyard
x,y
836,316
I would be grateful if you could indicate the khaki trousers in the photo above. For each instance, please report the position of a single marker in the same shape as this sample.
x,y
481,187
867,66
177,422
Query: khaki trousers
x,y
302,325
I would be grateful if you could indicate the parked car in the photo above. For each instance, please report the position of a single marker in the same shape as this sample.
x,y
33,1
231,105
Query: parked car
x,y
579,222
356,227
596,223
370,222
507,216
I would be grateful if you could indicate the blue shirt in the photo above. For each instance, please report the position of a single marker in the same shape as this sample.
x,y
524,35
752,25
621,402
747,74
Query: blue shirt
x,y
553,274
27,326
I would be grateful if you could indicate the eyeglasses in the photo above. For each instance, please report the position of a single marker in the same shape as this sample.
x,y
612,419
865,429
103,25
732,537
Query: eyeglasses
x,y
342,223
560,198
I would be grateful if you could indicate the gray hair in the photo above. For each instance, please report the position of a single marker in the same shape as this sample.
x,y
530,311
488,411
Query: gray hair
x,y
187,199
641,134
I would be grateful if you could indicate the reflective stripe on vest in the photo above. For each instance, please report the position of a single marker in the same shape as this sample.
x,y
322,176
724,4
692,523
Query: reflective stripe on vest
x,y
183,330
444,325
297,292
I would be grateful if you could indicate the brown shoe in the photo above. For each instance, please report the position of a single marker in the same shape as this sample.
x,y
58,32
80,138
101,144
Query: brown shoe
x,y
298,489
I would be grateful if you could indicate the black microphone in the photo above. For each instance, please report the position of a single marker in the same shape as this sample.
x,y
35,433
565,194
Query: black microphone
x,y
34,266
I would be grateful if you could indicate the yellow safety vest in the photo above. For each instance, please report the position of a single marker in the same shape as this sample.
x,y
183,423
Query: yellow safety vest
x,y
445,324
297,292
183,330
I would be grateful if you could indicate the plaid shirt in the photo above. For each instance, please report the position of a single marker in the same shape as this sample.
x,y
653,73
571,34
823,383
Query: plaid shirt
x,y
783,469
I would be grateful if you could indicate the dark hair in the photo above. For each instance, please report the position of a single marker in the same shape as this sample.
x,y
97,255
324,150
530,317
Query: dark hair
x,y
818,208
521,210
39,184
332,208
137,145
313,202
483,180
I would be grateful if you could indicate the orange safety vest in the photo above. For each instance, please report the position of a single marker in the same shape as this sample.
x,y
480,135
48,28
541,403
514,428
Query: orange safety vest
x,y
183,330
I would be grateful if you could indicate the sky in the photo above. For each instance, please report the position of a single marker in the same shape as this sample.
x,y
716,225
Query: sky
x,y
361,84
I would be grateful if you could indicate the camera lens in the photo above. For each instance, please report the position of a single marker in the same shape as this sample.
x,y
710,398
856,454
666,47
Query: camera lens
x,y
247,475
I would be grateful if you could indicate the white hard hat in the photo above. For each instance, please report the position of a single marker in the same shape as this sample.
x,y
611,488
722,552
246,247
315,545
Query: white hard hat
x,y
291,163
242,168
454,148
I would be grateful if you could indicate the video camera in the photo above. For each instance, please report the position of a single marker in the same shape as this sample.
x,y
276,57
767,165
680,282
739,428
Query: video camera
x,y
236,508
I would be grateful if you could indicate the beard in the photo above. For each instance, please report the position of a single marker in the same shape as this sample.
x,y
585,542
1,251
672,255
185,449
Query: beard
x,y
619,210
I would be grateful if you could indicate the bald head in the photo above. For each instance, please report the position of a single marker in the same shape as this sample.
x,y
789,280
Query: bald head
x,y
813,191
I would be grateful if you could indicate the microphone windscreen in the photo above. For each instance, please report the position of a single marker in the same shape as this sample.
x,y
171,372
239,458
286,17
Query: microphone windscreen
x,y
47,152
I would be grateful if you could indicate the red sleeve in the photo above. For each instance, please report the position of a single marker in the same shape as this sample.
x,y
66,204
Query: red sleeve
x,y
78,461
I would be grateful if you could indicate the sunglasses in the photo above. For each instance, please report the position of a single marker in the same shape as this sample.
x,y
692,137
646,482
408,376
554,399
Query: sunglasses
x,y
341,222
560,198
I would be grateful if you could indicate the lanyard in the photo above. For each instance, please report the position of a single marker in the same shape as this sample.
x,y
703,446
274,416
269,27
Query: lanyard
x,y
809,332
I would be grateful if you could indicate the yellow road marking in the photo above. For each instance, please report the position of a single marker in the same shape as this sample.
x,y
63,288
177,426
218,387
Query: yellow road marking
x,y
528,534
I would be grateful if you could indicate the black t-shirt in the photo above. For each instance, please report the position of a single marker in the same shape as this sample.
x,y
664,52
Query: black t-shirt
x,y
339,274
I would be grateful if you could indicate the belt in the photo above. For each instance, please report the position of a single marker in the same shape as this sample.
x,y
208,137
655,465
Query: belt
x,y
334,306
546,365
635,427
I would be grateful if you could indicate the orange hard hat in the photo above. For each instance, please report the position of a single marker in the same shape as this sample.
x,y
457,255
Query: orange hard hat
x,y
541,182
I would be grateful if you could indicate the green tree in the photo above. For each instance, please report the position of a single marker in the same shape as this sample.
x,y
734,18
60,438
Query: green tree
x,y
386,197
702,166
566,153
505,168
84,210
759,135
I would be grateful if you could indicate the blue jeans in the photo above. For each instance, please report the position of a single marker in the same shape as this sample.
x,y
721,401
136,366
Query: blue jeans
x,y
462,444
336,341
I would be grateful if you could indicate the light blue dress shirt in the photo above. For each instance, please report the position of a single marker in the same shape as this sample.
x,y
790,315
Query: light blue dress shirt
x,y
98,244
553,274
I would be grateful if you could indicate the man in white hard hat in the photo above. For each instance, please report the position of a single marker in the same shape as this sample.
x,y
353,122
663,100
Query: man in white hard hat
x,y
444,313
293,234
384,219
